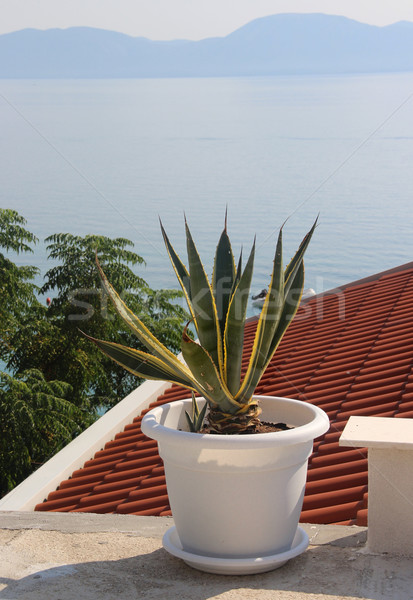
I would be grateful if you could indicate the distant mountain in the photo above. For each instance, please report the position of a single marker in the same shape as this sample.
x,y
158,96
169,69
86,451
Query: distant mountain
x,y
279,44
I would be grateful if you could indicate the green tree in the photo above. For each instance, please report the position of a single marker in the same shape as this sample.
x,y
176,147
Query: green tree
x,y
36,417
56,379
50,340
17,290
36,420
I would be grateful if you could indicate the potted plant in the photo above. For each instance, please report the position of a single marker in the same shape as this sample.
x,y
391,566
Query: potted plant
x,y
235,478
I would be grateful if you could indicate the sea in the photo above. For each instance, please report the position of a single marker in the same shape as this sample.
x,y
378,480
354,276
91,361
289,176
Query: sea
x,y
111,157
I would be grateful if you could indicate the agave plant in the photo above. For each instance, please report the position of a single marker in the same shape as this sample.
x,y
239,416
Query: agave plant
x,y
212,366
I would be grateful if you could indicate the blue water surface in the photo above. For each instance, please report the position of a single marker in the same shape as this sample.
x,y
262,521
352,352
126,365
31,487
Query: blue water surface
x,y
111,156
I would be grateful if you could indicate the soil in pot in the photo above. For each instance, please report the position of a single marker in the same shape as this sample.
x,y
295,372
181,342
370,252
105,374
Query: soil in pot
x,y
261,427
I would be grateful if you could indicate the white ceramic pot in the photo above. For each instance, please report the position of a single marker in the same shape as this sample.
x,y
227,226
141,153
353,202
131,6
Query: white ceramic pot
x,y
236,498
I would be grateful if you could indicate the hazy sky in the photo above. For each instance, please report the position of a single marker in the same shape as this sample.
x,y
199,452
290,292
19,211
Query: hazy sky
x,y
184,19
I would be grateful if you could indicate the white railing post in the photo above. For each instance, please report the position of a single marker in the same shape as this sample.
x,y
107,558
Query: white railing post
x,y
390,465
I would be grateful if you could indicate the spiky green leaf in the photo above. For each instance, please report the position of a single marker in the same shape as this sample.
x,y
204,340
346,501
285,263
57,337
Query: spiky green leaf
x,y
137,327
297,259
267,325
235,325
206,374
196,420
291,304
180,269
142,364
238,273
203,304
223,277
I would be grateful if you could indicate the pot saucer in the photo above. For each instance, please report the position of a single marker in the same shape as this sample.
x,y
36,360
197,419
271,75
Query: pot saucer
x,y
234,566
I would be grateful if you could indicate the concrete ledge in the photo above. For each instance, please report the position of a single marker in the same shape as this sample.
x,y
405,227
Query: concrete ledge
x,y
378,432
102,557
86,523
320,535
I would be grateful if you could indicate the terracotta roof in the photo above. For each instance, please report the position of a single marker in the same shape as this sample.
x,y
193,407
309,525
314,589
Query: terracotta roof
x,y
349,351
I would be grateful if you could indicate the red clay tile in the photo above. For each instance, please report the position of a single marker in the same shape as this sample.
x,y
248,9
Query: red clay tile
x,y
71,492
331,514
105,497
330,484
338,457
105,507
95,468
330,471
143,504
124,484
127,473
73,482
361,519
155,511
332,498
405,415
44,507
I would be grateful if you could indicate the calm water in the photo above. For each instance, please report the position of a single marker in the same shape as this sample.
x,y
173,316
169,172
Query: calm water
x,y
110,156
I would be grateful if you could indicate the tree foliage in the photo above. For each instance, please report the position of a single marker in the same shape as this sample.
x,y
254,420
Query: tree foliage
x,y
52,339
36,419
17,290
47,358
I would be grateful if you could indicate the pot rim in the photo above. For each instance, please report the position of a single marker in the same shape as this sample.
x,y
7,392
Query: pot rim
x,y
318,424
